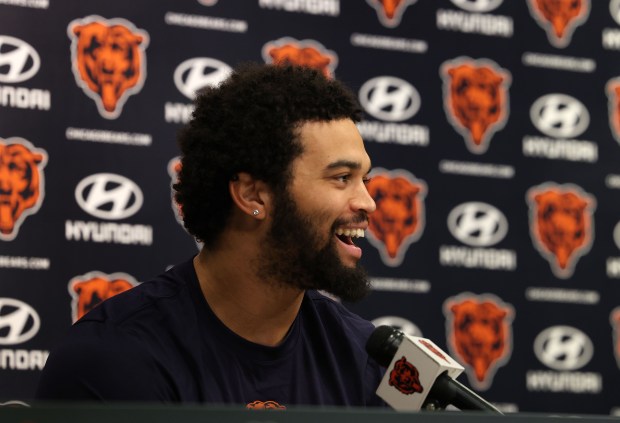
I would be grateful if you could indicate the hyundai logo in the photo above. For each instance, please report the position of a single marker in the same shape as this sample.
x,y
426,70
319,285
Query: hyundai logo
x,y
108,196
18,322
559,116
18,60
563,348
389,98
479,6
617,234
200,72
477,224
614,10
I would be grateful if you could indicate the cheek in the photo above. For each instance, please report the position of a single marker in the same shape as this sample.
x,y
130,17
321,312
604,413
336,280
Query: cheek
x,y
320,209
319,206
323,226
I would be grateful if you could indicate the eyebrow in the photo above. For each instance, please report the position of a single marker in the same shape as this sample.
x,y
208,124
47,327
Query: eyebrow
x,y
346,163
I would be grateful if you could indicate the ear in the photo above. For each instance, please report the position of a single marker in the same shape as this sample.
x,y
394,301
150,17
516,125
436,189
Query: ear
x,y
250,195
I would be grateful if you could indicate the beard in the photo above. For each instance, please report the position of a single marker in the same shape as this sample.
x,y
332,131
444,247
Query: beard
x,y
293,254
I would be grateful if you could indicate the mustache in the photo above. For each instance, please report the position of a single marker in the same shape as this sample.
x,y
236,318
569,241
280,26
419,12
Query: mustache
x,y
360,217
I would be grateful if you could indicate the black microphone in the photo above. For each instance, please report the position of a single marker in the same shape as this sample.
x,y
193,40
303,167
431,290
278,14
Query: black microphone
x,y
413,366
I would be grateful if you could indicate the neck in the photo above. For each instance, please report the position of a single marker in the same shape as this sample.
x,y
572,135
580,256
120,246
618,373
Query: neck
x,y
257,310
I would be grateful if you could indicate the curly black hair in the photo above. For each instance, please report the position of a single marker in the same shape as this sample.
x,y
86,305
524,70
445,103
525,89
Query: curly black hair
x,y
249,123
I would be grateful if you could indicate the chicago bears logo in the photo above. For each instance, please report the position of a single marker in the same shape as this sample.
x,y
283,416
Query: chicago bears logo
x,y
264,405
310,53
174,167
22,186
614,318
390,12
399,218
89,290
561,224
559,18
479,332
613,102
475,99
109,61
405,377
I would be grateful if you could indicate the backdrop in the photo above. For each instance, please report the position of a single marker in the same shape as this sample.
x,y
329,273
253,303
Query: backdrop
x,y
494,130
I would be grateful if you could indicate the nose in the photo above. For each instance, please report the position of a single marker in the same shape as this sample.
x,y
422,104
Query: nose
x,y
363,200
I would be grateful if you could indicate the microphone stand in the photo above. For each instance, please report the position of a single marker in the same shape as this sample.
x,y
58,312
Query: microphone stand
x,y
456,394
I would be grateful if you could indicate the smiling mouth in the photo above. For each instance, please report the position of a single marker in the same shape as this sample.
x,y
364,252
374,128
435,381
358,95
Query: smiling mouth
x,y
347,235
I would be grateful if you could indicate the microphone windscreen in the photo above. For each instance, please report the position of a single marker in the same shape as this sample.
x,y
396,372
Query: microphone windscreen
x,y
383,343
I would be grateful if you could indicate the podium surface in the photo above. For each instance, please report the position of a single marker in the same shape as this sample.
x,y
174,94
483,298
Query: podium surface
x,y
99,413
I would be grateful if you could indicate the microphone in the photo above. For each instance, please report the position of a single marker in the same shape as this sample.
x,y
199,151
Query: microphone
x,y
419,374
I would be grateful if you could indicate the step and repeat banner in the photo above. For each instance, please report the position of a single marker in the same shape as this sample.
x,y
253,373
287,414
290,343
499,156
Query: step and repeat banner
x,y
493,126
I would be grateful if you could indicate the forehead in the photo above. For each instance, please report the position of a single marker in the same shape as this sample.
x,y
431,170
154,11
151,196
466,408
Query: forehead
x,y
325,143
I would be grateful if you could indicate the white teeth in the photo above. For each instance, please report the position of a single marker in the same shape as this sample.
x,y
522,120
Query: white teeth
x,y
354,233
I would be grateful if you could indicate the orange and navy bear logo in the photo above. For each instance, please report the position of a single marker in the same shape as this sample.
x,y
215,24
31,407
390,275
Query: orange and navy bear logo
x,y
399,219
109,61
561,224
475,99
174,167
559,18
310,53
390,12
405,377
613,101
22,186
264,405
479,331
89,290
614,319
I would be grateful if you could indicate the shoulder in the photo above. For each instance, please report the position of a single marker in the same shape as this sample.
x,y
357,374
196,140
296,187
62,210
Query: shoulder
x,y
146,317
150,298
344,334
336,309
336,316
93,362
129,333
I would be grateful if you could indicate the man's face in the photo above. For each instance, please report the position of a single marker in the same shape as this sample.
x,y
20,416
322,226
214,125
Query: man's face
x,y
322,211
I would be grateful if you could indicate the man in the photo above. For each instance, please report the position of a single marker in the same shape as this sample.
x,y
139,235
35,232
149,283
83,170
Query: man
x,y
273,183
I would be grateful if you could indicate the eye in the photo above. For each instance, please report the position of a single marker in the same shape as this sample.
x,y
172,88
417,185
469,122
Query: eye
x,y
367,180
343,178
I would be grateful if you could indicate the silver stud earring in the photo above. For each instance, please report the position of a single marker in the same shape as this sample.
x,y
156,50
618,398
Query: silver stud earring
x,y
255,212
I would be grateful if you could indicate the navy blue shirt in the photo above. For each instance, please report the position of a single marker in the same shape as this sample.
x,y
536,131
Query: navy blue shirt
x,y
161,342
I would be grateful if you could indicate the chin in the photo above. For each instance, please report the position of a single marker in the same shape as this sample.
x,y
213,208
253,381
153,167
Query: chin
x,y
349,264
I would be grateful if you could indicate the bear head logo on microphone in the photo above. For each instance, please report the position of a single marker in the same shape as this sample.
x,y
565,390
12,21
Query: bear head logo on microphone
x,y
405,377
